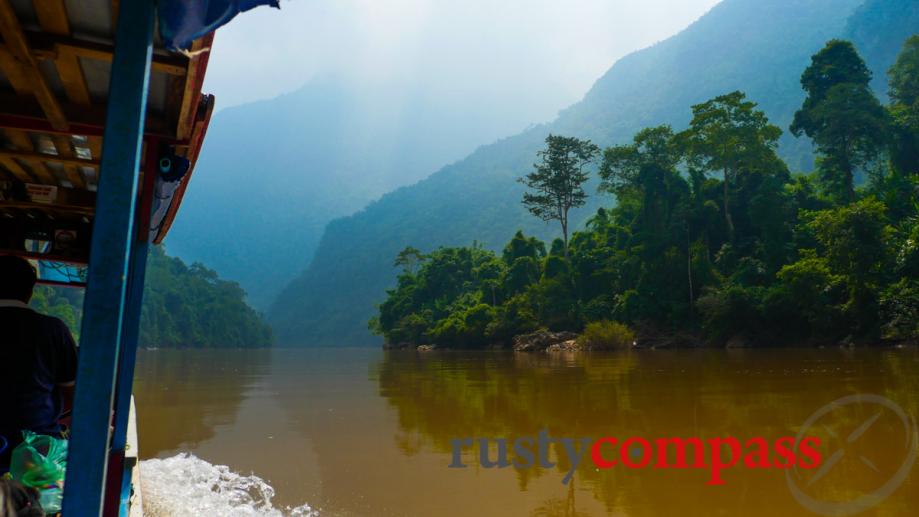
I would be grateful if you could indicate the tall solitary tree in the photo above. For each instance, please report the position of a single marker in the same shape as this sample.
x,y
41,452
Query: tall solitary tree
x,y
842,116
728,135
557,183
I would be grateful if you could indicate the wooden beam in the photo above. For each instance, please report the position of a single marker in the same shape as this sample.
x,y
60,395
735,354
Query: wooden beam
x,y
52,17
71,73
50,46
25,67
71,164
64,160
45,207
23,113
22,142
95,146
192,91
17,170
25,120
175,91
21,85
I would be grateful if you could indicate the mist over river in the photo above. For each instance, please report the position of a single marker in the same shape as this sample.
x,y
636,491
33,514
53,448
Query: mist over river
x,y
367,432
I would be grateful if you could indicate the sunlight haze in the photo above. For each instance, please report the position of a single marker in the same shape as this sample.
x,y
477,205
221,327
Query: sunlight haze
x,y
541,55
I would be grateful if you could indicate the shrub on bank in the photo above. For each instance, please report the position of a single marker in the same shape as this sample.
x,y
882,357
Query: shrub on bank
x,y
606,334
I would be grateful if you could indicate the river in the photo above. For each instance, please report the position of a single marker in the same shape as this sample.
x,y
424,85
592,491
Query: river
x,y
368,432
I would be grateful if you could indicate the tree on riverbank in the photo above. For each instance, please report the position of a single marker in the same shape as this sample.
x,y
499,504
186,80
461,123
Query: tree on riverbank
x,y
712,235
557,183
842,116
728,135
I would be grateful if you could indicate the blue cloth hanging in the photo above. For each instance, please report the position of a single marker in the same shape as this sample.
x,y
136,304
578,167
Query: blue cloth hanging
x,y
183,21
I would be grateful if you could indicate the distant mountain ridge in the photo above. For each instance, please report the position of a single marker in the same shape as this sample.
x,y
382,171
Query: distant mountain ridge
x,y
758,46
273,173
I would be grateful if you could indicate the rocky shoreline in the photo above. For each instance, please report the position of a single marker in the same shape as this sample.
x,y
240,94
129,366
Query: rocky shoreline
x,y
563,341
538,341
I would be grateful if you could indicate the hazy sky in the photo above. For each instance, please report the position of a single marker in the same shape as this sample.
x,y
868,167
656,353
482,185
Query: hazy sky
x,y
542,54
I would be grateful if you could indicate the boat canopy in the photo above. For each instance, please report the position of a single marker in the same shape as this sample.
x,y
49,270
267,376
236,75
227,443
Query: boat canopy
x,y
55,72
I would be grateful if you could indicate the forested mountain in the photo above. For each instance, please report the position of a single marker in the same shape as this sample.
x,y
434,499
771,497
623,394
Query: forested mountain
x,y
184,307
878,28
712,239
273,173
757,46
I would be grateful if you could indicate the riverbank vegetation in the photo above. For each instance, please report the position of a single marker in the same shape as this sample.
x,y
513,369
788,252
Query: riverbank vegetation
x,y
711,236
184,307
191,307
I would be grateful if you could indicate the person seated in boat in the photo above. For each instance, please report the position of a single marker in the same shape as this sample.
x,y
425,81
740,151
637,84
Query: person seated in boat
x,y
38,361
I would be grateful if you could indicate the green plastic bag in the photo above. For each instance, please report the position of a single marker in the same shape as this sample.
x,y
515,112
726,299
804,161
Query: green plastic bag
x,y
40,462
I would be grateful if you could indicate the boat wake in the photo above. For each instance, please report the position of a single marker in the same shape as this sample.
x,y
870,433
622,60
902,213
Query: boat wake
x,y
185,485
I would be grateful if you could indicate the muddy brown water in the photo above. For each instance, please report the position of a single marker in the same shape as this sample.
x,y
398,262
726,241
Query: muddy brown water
x,y
367,432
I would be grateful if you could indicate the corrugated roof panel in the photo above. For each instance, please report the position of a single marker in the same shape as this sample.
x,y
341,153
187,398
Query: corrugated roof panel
x,y
49,71
156,97
43,144
57,170
97,74
90,18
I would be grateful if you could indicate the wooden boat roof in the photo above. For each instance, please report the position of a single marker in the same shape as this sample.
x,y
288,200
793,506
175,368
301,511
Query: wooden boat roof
x,y
55,61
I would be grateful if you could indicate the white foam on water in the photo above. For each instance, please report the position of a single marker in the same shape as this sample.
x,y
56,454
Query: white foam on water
x,y
185,485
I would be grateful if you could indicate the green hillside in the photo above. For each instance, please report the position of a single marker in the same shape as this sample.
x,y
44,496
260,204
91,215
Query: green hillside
x,y
191,307
184,307
758,46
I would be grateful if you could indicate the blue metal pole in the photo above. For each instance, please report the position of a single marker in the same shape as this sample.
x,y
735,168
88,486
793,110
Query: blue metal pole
x,y
109,259
127,355
128,350
135,297
116,503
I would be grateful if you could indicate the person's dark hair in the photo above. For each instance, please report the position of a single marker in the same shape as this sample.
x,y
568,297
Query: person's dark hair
x,y
17,278
18,500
